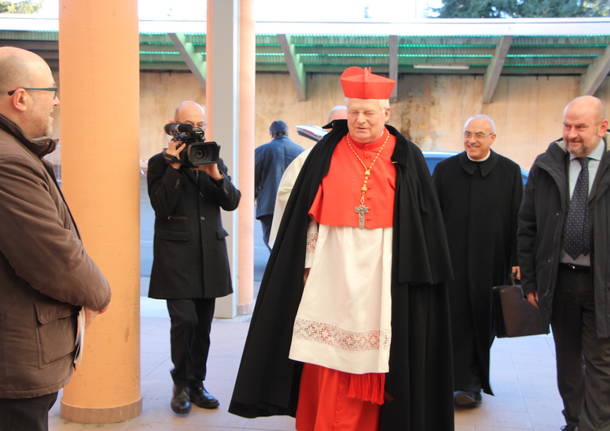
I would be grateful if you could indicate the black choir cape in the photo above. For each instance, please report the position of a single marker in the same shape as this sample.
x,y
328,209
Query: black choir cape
x,y
419,385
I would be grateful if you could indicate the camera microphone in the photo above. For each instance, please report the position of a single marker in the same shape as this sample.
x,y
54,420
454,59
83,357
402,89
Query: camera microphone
x,y
174,129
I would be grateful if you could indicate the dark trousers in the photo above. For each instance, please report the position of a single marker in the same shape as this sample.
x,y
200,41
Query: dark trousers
x,y
266,221
583,359
191,320
26,414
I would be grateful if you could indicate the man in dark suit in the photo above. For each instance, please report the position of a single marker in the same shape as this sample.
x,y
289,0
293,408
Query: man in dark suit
x,y
190,265
271,159
564,253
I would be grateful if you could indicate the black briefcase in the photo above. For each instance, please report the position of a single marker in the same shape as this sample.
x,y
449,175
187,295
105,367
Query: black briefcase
x,y
514,315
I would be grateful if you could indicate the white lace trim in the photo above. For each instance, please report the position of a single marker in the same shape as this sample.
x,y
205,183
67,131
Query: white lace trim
x,y
312,240
332,335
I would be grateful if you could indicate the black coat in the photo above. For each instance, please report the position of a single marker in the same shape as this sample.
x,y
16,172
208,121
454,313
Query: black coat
x,y
480,203
420,378
541,221
190,252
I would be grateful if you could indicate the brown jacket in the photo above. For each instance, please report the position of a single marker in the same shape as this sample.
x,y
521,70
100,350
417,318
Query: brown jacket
x,y
45,273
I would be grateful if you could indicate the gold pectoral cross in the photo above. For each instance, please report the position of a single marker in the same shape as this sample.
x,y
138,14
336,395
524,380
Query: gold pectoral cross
x,y
361,210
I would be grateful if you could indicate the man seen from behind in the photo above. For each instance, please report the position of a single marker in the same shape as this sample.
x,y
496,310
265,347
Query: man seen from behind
x,y
270,161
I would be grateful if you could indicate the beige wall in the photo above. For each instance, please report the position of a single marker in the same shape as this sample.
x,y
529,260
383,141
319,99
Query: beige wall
x,y
431,109
160,93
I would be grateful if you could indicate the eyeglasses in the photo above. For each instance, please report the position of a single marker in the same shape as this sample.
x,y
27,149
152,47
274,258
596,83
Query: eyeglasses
x,y
478,135
54,89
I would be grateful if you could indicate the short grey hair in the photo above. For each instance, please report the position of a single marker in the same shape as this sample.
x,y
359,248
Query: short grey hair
x,y
485,117
383,103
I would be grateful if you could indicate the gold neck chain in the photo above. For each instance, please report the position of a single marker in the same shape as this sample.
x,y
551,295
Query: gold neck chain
x,y
362,209
367,171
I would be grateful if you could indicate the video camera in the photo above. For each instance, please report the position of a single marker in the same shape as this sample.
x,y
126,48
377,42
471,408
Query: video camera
x,y
197,152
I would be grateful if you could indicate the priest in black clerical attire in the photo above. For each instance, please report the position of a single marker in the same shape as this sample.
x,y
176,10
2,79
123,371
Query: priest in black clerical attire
x,y
351,325
479,192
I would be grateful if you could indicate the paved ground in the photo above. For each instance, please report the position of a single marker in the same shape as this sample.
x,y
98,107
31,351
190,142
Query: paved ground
x,y
523,377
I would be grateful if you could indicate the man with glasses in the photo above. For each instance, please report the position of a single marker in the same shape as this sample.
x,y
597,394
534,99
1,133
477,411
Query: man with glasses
x,y
480,193
190,263
351,328
46,276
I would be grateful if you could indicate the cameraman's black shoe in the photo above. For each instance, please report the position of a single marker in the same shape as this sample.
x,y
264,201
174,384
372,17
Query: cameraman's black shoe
x,y
181,402
202,398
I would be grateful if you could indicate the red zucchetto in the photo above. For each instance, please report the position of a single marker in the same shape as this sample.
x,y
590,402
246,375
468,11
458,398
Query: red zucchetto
x,y
359,83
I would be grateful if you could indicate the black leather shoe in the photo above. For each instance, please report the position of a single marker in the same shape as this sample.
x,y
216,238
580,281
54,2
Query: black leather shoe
x,y
202,398
181,402
467,399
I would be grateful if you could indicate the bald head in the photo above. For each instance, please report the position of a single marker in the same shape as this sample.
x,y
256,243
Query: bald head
x,y
584,124
192,113
32,101
18,67
591,104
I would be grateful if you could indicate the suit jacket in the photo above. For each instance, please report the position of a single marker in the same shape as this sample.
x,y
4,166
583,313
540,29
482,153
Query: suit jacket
x,y
46,275
189,252
271,159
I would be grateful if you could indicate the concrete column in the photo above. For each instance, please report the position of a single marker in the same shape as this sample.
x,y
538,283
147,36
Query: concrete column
x,y
247,78
222,101
99,80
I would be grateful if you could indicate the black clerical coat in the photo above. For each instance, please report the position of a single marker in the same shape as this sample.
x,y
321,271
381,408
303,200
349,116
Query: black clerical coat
x,y
419,384
480,203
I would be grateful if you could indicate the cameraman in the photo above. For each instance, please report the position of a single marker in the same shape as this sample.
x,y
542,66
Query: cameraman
x,y
190,264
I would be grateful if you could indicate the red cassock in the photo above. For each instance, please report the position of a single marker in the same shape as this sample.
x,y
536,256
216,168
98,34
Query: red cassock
x,y
332,400
339,193
329,400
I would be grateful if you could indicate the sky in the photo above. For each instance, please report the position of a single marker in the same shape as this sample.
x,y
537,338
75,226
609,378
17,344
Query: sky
x,y
283,10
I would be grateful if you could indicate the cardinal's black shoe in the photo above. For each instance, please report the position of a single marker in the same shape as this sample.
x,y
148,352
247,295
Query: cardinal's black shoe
x,y
467,399
181,402
202,398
